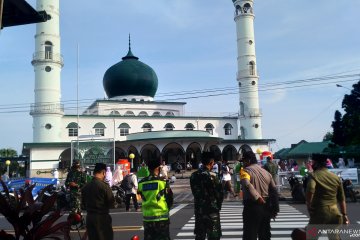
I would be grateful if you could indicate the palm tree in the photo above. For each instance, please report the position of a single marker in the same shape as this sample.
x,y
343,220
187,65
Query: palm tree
x,y
8,152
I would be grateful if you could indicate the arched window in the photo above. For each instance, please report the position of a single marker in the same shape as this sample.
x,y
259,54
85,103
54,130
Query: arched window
x,y
209,128
114,113
189,127
157,114
143,114
99,129
242,109
247,8
73,129
147,127
129,113
252,68
48,50
242,133
227,128
124,129
169,114
169,127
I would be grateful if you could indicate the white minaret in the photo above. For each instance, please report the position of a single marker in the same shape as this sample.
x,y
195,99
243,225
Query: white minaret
x,y
47,61
247,75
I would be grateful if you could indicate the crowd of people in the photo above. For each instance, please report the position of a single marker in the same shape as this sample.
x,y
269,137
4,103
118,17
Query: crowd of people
x,y
210,184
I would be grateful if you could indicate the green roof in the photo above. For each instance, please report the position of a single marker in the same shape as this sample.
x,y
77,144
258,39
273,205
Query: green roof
x,y
99,125
282,153
228,125
46,145
170,135
305,149
124,125
72,125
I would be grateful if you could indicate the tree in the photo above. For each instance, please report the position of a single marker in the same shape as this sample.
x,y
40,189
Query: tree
x,y
346,128
328,136
338,129
8,152
351,118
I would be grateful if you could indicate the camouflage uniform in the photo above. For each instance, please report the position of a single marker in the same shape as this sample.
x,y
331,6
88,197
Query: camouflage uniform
x,y
80,179
208,197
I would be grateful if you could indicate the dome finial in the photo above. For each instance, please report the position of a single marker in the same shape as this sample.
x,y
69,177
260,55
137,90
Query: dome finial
x,y
129,42
130,55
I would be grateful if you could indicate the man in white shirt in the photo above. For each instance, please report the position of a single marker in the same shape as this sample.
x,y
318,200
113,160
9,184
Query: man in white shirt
x,y
130,185
164,170
215,169
226,180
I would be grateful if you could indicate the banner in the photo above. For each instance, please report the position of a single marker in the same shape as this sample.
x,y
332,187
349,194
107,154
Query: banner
x,y
347,173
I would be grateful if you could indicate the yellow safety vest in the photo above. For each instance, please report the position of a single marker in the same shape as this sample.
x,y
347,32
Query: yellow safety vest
x,y
154,206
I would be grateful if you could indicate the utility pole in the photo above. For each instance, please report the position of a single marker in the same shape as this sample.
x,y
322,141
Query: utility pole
x,y
1,12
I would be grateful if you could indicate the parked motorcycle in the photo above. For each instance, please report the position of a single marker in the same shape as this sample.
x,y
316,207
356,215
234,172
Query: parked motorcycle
x,y
349,190
63,202
119,195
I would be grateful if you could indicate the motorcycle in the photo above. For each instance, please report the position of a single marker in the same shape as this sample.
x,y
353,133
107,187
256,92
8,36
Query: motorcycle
x,y
119,195
349,190
297,190
63,202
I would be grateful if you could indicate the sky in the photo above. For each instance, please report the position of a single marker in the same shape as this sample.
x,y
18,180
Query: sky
x,y
191,45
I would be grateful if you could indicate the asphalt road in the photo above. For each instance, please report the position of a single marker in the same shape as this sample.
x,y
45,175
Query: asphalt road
x,y
128,224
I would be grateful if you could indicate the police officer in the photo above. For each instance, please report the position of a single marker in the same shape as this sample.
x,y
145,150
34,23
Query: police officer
x,y
98,199
75,180
208,197
157,199
260,199
324,192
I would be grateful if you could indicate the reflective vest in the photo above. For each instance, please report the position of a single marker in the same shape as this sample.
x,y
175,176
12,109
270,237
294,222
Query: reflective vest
x,y
154,206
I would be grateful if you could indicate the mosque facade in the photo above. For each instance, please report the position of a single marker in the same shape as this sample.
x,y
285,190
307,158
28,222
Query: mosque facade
x,y
130,120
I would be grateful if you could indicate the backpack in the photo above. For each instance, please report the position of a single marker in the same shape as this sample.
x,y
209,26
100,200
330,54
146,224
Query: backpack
x,y
126,183
224,168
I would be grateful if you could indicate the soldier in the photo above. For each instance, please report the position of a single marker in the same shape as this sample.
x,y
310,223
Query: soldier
x,y
208,197
157,199
324,192
98,199
272,168
75,180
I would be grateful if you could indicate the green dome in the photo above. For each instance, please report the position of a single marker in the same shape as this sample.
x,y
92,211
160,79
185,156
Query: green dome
x,y
130,77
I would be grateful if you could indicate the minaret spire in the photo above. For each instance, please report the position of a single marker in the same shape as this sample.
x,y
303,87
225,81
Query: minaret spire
x,y
247,75
47,111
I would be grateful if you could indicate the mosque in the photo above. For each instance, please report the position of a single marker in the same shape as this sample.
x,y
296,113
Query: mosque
x,y
130,120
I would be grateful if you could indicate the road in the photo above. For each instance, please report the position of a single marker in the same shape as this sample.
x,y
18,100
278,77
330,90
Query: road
x,y
127,224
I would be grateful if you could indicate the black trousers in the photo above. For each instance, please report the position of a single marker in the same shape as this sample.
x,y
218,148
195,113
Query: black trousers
x,y
127,201
99,226
256,219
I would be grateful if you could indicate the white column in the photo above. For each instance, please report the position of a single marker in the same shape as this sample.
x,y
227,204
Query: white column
x,y
247,75
47,61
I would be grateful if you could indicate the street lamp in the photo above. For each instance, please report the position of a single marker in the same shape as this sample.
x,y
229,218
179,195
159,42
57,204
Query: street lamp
x,y
132,156
357,92
7,163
